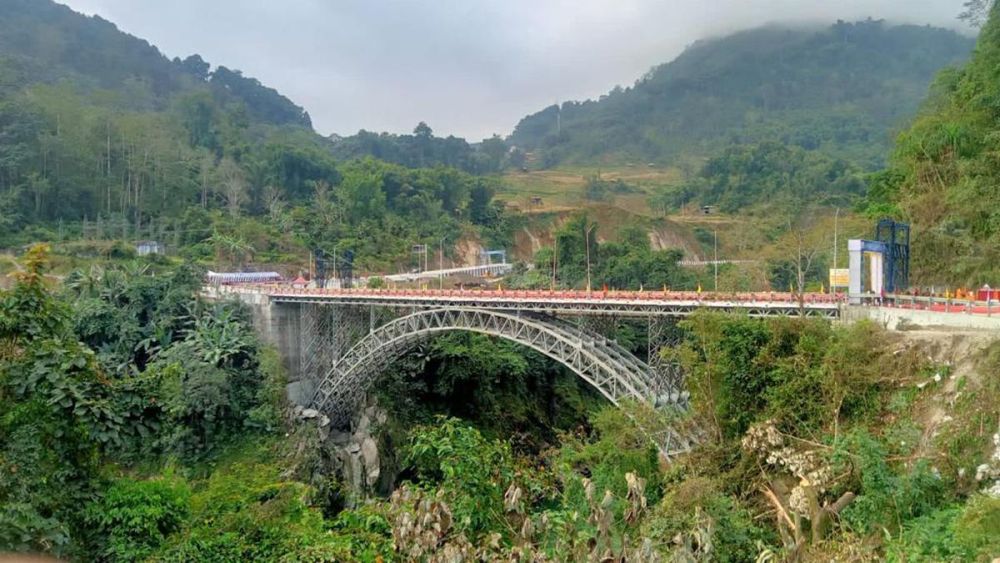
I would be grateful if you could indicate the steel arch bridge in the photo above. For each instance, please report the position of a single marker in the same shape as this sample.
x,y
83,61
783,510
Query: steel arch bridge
x,y
338,341
612,370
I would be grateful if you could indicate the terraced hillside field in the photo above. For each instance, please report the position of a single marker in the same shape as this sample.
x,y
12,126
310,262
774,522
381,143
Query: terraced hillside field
x,y
563,189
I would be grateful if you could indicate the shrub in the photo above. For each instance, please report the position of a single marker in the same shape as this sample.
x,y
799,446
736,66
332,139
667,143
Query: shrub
x,y
969,532
472,470
618,447
886,499
23,529
978,528
696,506
246,510
134,517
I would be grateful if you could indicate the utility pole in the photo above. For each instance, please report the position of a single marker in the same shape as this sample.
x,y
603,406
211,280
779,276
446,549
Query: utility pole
x,y
836,225
555,260
587,243
420,251
716,261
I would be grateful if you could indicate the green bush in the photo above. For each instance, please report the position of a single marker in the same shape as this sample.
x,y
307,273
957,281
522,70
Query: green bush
x,y
24,529
121,251
978,528
247,510
969,532
473,470
134,517
618,447
886,498
696,505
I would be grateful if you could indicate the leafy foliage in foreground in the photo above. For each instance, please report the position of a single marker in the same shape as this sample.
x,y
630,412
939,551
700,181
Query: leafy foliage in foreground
x,y
162,382
160,447
817,426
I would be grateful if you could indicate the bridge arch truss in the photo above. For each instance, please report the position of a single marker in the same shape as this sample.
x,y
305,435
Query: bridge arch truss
x,y
608,367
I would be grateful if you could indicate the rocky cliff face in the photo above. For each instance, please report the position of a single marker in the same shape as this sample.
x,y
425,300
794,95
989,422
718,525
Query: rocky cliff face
x,y
360,457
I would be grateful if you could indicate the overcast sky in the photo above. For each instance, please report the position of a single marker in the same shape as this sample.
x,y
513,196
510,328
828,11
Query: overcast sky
x,y
469,68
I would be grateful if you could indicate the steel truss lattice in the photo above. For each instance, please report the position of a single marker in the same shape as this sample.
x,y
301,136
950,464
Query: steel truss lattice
x,y
317,346
604,364
663,334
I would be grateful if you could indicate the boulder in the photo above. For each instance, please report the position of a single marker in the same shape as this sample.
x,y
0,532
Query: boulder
x,y
370,457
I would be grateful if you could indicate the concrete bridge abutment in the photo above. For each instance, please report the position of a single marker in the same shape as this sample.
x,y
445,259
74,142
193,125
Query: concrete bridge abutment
x,y
281,325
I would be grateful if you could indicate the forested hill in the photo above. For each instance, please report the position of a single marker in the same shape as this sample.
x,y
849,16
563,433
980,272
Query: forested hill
x,y
41,41
424,149
103,139
841,89
944,173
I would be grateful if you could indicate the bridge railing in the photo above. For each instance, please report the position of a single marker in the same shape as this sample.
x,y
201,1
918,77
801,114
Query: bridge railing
x,y
554,295
988,307
901,301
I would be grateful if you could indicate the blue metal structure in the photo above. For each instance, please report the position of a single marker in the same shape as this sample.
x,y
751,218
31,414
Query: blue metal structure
x,y
896,240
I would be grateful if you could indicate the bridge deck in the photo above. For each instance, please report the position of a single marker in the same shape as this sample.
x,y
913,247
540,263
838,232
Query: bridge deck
x,y
623,303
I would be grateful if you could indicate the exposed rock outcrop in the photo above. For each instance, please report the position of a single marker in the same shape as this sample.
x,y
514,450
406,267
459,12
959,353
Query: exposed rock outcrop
x,y
359,456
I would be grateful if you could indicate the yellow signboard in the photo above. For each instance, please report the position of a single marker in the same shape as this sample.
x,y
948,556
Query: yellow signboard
x,y
839,277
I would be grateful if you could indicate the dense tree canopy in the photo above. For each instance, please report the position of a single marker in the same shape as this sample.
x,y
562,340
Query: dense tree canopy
x,y
212,161
770,173
423,149
944,172
840,90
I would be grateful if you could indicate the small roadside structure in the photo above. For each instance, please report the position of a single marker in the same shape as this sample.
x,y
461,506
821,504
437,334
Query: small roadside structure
x,y
232,278
147,247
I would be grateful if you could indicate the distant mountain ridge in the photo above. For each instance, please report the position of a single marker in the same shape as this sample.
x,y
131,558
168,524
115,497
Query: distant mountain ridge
x,y
841,90
42,41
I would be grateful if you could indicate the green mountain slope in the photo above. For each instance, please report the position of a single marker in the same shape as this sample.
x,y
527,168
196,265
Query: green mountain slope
x,y
41,41
840,90
945,172
104,139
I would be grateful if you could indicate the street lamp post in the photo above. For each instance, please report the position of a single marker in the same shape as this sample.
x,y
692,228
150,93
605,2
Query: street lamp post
x,y
441,266
836,225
